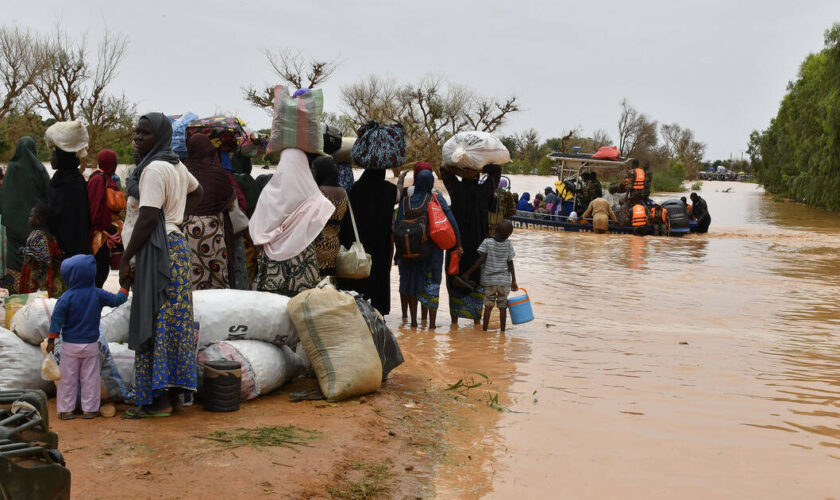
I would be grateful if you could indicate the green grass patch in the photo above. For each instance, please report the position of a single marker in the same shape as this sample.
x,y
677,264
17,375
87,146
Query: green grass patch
x,y
265,436
375,482
697,186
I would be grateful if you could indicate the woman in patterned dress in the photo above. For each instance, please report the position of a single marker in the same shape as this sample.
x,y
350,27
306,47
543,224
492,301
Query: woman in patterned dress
x,y
290,214
207,227
326,244
161,330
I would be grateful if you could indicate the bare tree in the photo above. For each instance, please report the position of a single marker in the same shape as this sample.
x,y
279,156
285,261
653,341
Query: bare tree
x,y
59,89
488,115
22,62
600,138
430,110
636,132
626,124
100,110
75,87
528,146
292,69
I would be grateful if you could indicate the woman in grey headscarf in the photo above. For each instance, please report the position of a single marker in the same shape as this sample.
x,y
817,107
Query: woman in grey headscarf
x,y
161,329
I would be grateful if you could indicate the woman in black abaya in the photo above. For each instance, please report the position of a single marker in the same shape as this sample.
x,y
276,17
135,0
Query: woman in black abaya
x,y
372,199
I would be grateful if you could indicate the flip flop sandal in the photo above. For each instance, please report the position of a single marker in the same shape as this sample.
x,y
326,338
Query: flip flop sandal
x,y
89,415
66,416
138,413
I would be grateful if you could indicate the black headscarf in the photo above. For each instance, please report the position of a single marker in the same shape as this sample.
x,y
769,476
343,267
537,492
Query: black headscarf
x,y
161,151
325,171
69,209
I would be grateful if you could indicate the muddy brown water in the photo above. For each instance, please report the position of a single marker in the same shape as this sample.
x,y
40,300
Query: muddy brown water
x,y
698,367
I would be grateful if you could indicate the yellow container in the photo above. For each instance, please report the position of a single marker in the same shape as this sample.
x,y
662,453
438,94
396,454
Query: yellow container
x,y
12,305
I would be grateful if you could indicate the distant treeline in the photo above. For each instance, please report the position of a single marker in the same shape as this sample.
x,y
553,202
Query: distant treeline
x,y
798,155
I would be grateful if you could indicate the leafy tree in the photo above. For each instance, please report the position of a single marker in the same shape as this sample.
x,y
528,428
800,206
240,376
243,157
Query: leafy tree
x,y
798,155
681,145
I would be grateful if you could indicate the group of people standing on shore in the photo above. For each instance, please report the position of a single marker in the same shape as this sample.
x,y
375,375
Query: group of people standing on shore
x,y
179,228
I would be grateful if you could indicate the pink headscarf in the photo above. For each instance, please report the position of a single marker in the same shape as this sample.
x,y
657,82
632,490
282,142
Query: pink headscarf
x,y
291,211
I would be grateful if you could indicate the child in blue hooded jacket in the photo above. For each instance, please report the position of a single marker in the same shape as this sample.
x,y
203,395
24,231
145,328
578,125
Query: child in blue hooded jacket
x,y
76,320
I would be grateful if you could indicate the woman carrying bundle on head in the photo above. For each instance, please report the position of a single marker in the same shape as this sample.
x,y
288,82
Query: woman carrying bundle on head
x,y
290,215
67,197
470,206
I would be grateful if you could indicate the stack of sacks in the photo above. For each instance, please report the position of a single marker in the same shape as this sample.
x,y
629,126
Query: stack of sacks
x,y
223,315
265,367
337,342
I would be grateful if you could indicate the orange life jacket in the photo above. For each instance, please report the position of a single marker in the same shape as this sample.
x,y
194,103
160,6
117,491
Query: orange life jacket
x,y
639,215
639,183
659,213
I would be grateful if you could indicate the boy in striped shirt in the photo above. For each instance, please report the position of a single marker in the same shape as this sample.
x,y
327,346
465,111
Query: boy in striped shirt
x,y
495,256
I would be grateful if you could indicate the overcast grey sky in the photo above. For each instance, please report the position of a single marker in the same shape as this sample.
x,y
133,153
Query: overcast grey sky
x,y
717,66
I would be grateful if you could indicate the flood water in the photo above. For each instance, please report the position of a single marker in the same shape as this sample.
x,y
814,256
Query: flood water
x,y
695,367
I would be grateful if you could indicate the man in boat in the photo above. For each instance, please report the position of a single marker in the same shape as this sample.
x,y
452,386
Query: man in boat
x,y
648,179
583,198
700,211
660,220
639,218
594,190
566,196
502,206
635,182
602,213
688,207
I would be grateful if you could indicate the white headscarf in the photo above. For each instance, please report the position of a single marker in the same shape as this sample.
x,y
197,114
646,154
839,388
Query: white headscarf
x,y
291,211
68,136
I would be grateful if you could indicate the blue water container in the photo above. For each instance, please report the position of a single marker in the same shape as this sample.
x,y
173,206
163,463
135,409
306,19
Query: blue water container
x,y
520,308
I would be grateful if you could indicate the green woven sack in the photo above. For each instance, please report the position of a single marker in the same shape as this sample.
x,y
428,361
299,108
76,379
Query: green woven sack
x,y
297,121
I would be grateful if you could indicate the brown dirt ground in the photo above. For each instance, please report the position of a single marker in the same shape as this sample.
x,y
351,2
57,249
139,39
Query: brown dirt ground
x,y
171,457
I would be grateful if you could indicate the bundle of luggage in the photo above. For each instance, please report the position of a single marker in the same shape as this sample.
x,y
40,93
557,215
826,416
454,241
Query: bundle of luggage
x,y
473,150
341,336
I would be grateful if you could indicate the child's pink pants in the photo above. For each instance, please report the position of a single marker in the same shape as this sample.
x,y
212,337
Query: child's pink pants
x,y
79,363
